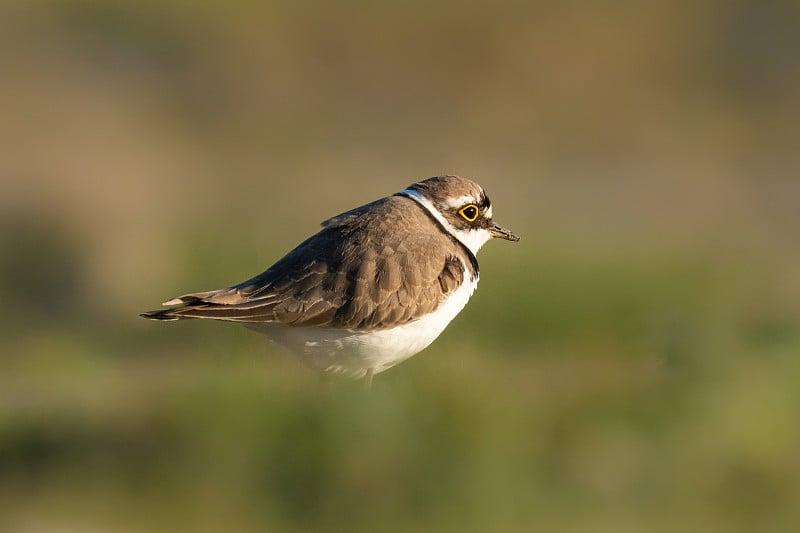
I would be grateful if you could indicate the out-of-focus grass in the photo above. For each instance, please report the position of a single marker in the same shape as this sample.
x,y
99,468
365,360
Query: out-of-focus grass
x,y
603,394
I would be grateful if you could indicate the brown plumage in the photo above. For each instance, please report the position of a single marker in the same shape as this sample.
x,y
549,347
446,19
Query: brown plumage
x,y
369,268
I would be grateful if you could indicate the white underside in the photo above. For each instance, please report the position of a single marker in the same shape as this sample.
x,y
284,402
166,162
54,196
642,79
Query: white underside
x,y
353,353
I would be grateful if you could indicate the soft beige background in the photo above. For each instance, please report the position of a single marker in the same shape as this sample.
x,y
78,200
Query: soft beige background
x,y
630,365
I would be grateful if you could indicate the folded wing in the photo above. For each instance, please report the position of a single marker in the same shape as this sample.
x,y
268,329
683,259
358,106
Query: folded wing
x,y
357,273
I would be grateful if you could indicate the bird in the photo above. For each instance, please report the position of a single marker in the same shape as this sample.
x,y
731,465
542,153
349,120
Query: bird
x,y
375,286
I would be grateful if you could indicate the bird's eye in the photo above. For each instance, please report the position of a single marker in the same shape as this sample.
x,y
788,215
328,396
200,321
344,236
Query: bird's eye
x,y
469,212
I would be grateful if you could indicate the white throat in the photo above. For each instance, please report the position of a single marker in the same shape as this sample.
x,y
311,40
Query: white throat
x,y
472,239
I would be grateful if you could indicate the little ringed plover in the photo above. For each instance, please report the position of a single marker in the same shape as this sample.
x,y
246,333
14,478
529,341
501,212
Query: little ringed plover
x,y
376,285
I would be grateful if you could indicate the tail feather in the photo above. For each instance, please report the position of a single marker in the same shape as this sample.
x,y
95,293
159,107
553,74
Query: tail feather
x,y
216,312
162,314
222,304
191,298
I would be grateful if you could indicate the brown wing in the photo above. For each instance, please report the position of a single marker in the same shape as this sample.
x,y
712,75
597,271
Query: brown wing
x,y
371,268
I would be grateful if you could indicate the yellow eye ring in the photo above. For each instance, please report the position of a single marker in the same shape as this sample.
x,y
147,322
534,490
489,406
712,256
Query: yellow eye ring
x,y
469,212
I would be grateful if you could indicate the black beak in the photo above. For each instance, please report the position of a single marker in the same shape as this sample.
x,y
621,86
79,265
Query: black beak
x,y
497,231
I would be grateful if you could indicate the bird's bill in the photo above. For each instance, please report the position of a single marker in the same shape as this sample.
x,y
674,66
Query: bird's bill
x,y
502,233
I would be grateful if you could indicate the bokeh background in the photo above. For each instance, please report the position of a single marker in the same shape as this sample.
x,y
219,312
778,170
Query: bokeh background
x,y
631,365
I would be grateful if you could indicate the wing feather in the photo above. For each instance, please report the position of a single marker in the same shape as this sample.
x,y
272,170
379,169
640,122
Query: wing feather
x,y
370,268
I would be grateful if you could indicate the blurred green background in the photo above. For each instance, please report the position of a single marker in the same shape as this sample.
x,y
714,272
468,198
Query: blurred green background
x,y
631,365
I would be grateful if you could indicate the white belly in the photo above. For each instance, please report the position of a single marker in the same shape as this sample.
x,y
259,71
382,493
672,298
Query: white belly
x,y
352,353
